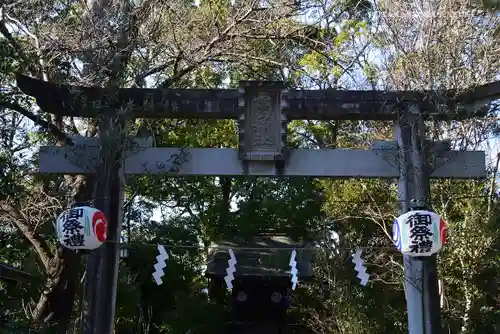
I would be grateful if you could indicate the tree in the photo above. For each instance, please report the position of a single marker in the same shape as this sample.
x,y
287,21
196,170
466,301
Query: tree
x,y
146,43
214,44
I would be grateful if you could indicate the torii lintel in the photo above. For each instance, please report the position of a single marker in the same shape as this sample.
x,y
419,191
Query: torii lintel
x,y
329,104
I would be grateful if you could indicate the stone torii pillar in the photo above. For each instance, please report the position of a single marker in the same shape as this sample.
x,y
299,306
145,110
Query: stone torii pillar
x,y
262,109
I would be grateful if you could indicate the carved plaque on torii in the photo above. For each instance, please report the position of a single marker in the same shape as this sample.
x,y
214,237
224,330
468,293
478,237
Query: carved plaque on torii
x,y
262,121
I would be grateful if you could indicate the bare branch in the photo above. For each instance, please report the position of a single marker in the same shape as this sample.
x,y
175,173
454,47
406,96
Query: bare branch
x,y
25,227
54,130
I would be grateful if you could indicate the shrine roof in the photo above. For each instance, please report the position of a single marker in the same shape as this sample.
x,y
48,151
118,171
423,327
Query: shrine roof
x,y
259,256
329,104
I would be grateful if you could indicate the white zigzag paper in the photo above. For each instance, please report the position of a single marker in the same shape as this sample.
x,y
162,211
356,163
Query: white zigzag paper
x,y
293,269
158,273
230,270
360,268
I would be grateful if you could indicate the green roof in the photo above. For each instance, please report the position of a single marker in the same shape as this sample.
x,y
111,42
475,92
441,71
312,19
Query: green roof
x,y
259,256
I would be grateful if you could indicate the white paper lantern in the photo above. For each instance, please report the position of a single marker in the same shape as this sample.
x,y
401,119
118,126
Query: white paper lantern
x,y
419,233
81,228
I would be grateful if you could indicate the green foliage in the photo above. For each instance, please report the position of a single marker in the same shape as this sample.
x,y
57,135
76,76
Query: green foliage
x,y
493,5
214,45
178,303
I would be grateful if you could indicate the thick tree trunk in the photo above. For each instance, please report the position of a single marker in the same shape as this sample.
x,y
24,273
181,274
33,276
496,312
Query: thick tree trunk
x,y
55,304
58,295
62,268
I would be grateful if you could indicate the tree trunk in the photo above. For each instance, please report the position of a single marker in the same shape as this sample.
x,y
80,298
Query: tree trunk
x,y
58,295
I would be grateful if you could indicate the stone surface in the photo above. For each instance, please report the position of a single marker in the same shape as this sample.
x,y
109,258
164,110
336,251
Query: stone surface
x,y
336,163
223,104
262,122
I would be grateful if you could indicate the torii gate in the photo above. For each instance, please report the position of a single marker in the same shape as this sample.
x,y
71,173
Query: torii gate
x,y
262,110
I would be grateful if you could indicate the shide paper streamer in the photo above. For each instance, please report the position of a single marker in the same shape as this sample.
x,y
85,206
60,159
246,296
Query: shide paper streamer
x,y
158,273
293,269
229,278
360,268
230,270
